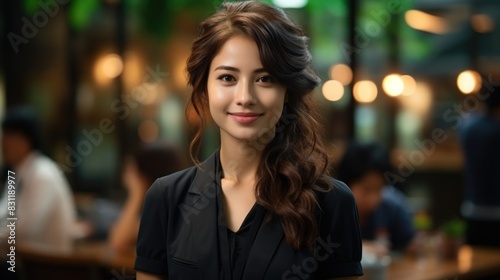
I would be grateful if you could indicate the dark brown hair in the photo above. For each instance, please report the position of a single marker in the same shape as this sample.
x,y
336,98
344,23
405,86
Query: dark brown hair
x,y
294,163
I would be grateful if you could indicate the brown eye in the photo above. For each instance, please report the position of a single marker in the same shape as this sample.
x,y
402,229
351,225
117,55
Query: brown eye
x,y
265,79
226,78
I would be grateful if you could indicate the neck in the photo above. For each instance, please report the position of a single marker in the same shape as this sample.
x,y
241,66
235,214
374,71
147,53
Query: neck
x,y
239,160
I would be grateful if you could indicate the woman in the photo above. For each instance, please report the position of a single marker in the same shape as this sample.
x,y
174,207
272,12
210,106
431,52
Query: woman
x,y
262,206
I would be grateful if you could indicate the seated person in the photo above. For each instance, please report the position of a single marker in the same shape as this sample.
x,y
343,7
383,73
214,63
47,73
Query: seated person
x,y
44,202
479,137
152,161
385,219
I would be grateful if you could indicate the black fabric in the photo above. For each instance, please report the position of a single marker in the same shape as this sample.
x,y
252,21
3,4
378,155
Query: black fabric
x,y
479,136
483,233
179,236
237,244
241,240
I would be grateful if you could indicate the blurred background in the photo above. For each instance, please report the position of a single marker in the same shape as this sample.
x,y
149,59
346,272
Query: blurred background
x,y
106,76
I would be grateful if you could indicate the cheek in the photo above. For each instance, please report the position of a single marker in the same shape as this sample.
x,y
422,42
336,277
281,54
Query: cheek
x,y
274,101
217,97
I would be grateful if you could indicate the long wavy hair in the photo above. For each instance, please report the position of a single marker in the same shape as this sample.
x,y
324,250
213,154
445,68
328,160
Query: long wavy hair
x,y
294,163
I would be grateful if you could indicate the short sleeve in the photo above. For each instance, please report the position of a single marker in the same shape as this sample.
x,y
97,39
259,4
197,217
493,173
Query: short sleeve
x,y
339,246
152,239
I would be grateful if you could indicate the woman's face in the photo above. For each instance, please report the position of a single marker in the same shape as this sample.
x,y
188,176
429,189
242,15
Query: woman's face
x,y
244,100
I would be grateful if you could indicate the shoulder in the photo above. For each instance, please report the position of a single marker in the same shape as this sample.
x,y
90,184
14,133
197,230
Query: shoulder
x,y
174,184
394,197
175,178
44,171
174,188
391,208
43,167
340,193
336,204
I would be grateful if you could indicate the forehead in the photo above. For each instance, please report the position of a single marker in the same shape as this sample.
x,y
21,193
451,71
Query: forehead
x,y
238,51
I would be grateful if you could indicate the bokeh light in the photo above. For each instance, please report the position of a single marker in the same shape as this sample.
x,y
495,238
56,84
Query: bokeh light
x,y
426,22
108,67
482,23
290,3
333,90
420,101
365,91
393,85
410,85
341,73
469,81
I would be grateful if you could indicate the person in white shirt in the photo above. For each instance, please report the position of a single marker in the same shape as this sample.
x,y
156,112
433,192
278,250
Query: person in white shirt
x,y
44,207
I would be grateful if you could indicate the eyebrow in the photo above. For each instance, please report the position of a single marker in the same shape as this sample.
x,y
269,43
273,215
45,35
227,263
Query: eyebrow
x,y
234,69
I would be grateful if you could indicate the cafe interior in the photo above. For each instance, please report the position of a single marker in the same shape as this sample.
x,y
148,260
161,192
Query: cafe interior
x,y
107,82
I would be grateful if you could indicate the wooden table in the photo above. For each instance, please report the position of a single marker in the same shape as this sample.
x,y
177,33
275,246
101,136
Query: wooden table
x,y
92,258
470,263
100,253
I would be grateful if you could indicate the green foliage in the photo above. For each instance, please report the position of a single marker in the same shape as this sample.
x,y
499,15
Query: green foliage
x,y
30,6
81,11
328,27
159,17
328,21
454,228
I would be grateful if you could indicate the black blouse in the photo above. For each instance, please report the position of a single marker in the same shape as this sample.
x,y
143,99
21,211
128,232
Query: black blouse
x,y
183,234
235,246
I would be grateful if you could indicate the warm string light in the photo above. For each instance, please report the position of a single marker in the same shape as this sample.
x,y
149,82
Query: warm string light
x,y
365,91
395,85
469,81
341,73
107,68
426,22
333,90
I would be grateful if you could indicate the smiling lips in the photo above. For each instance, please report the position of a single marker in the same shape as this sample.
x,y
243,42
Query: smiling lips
x,y
245,118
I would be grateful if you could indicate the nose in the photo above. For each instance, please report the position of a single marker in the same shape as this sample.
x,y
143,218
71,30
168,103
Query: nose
x,y
245,94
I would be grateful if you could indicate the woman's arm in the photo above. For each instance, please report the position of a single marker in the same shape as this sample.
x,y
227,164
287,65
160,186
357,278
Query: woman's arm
x,y
148,276
124,232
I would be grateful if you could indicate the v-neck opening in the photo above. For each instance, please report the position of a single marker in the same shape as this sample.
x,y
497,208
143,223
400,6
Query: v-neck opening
x,y
246,221
235,247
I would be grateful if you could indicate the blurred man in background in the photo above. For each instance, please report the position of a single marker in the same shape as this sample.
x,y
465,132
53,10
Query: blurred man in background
x,y
44,206
384,216
480,138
